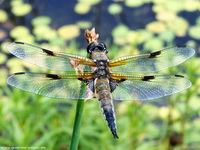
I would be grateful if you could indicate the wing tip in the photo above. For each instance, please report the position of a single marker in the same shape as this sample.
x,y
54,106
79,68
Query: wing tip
x,y
11,78
188,82
188,48
10,46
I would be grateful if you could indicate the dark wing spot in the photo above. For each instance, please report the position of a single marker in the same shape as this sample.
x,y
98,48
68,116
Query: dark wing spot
x,y
49,53
153,55
148,78
184,46
122,80
53,76
179,76
19,43
18,73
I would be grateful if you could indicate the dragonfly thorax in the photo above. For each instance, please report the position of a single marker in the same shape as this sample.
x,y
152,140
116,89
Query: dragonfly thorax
x,y
102,64
101,73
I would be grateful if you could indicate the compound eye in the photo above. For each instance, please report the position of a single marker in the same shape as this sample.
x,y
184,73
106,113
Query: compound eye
x,y
90,48
101,46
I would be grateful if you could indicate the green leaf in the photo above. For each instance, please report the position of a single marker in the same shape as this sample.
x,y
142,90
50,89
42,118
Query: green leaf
x,y
21,10
58,41
44,32
3,58
120,31
134,3
144,35
156,27
179,26
16,2
3,47
89,2
82,8
174,6
165,16
138,37
68,32
41,20
153,44
114,9
191,43
26,39
3,15
191,5
194,32
167,36
19,31
198,20
84,24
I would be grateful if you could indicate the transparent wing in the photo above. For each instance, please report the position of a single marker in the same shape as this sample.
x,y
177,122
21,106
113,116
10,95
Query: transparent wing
x,y
152,62
49,59
149,87
51,85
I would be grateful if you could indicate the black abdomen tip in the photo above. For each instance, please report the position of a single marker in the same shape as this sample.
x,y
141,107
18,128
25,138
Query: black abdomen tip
x,y
115,134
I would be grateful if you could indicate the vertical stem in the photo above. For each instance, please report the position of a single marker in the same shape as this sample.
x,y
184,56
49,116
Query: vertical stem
x,y
77,121
90,36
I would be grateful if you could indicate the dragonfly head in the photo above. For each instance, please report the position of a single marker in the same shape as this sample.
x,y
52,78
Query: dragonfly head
x,y
96,47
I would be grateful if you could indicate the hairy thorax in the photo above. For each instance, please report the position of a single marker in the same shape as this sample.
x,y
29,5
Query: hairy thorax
x,y
101,60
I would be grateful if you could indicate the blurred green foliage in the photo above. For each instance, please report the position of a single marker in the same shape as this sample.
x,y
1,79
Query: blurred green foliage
x,y
31,120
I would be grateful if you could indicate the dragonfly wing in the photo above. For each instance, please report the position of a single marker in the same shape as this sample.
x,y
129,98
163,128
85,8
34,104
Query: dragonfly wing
x,y
152,62
51,85
49,59
149,87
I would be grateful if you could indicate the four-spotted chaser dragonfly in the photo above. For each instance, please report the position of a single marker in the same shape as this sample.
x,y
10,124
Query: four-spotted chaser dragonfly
x,y
106,79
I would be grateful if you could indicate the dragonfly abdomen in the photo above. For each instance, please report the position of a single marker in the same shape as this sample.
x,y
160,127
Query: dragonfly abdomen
x,y
104,96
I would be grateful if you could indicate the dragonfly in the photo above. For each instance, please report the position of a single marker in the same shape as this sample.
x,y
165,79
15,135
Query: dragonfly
x,y
102,78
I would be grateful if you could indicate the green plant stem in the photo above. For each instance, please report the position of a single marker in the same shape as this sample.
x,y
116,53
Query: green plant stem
x,y
77,121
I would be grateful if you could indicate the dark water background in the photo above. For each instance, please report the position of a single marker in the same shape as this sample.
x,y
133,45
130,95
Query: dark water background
x,y
62,13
